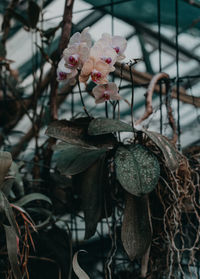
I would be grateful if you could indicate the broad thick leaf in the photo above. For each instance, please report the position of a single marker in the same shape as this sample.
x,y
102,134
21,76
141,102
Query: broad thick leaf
x,y
5,163
6,210
136,231
170,153
100,126
11,241
80,273
33,13
137,169
67,131
32,197
73,159
92,196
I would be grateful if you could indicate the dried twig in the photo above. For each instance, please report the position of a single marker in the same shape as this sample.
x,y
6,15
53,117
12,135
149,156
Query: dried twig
x,y
149,95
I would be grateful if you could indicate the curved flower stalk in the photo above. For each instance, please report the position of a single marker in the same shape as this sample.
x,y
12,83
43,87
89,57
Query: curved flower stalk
x,y
106,92
117,43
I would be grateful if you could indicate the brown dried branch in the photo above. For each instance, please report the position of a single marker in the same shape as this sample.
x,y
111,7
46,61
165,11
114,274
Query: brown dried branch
x,y
17,149
6,20
171,119
149,95
144,79
23,106
65,36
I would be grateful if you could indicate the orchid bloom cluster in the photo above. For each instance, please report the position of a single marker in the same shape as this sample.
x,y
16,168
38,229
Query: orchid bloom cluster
x,y
95,62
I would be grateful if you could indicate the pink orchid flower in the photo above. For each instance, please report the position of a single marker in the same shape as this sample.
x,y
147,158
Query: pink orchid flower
x,y
75,56
118,43
64,74
106,92
81,38
104,53
97,69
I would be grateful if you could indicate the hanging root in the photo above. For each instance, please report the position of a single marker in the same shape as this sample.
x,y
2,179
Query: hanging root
x,y
177,236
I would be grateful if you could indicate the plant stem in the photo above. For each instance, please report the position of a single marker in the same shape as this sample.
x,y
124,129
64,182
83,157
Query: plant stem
x,y
132,96
106,108
81,96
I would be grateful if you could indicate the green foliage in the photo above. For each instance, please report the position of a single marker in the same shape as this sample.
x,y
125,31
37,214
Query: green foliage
x,y
67,131
136,231
12,251
101,126
73,159
137,169
171,155
92,183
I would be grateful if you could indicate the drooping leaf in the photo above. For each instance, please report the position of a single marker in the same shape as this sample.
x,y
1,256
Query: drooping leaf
x,y
32,197
5,163
80,273
33,13
7,213
68,131
136,231
100,126
73,159
137,169
170,153
11,242
92,195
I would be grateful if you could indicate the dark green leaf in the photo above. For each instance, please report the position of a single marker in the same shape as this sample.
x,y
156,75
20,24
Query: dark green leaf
x,y
7,211
170,153
67,131
33,13
11,241
2,51
73,159
5,163
137,169
136,231
100,126
19,17
92,189
32,197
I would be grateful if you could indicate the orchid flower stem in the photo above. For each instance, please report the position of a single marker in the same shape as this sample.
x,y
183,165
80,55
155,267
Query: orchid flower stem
x,y
132,96
106,108
82,101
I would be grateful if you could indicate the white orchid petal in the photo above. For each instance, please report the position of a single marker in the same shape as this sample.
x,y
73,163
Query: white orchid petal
x,y
75,39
